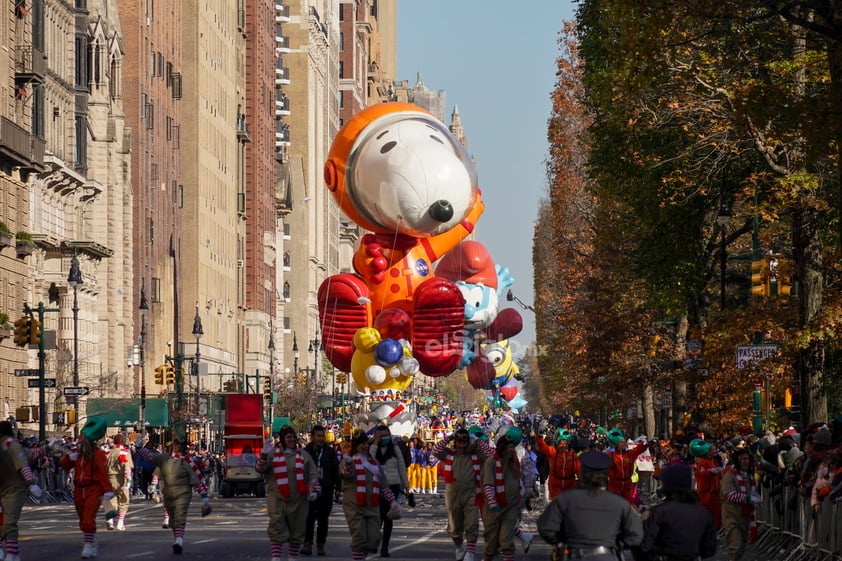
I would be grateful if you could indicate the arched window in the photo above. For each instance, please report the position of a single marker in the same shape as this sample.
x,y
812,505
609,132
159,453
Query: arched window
x,y
286,291
287,261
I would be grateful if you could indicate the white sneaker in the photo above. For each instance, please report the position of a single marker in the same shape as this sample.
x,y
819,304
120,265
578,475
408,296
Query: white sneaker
x,y
469,557
110,524
95,548
460,552
12,557
526,540
120,526
88,551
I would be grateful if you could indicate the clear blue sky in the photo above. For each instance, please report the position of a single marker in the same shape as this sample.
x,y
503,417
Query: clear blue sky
x,y
496,61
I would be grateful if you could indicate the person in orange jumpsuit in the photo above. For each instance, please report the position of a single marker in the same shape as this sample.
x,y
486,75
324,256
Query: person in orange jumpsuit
x,y
622,464
90,481
565,468
708,468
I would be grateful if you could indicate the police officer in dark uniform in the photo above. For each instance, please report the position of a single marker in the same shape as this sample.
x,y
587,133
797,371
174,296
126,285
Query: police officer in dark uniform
x,y
589,523
680,528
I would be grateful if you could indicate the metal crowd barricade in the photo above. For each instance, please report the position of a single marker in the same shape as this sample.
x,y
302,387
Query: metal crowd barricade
x,y
792,531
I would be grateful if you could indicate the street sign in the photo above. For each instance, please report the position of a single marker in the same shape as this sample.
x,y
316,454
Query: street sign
x,y
36,383
27,372
747,354
76,390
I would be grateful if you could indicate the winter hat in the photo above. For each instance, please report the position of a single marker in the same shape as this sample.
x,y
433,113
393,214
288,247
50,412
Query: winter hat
x,y
699,448
594,461
563,434
511,433
358,438
821,438
677,477
94,428
476,430
615,436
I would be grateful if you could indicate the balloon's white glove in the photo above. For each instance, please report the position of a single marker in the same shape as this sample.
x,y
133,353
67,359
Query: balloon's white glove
x,y
269,446
36,490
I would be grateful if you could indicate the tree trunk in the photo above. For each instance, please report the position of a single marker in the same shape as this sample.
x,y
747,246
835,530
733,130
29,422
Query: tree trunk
x,y
808,245
679,403
648,410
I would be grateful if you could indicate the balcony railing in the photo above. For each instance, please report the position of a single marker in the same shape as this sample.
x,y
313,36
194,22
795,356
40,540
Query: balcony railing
x,y
281,13
17,143
281,76
282,107
29,62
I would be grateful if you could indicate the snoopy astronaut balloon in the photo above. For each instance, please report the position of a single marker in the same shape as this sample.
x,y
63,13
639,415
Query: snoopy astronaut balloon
x,y
396,171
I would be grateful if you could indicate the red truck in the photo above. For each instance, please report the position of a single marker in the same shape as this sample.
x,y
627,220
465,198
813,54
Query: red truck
x,y
244,435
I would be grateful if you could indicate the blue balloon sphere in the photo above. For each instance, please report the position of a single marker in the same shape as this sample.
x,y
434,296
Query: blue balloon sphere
x,y
388,352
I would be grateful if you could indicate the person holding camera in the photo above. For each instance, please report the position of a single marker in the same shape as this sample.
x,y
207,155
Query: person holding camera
x,y
391,461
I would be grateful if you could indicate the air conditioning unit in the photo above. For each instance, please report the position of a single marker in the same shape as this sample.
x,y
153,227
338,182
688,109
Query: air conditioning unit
x,y
240,263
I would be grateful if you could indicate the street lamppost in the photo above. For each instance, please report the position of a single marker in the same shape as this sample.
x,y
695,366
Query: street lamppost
x,y
315,347
74,279
197,333
143,307
722,218
295,354
271,369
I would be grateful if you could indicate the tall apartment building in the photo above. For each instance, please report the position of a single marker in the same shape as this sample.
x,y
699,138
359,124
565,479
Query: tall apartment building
x,y
65,178
212,227
152,93
22,73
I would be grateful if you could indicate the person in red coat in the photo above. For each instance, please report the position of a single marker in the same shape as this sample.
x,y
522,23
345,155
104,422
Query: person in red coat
x,y
565,468
622,464
708,475
90,481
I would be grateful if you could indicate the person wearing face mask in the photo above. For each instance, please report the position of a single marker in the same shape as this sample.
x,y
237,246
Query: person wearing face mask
x,y
327,467
391,461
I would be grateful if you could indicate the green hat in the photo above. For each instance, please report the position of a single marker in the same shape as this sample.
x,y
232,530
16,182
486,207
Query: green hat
x,y
615,436
94,428
563,434
510,433
475,430
699,448
600,430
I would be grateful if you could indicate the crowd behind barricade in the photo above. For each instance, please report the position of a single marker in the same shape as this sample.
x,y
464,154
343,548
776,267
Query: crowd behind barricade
x,y
781,492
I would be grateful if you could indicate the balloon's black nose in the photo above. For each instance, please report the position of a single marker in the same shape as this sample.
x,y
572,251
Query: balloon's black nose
x,y
441,211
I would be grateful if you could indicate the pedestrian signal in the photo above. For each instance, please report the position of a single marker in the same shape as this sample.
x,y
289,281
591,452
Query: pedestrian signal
x,y
22,331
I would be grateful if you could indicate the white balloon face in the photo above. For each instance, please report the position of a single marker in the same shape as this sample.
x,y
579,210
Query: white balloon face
x,y
481,304
406,173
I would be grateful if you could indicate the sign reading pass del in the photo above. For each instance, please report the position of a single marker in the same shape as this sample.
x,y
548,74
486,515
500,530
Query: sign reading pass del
x,y
754,353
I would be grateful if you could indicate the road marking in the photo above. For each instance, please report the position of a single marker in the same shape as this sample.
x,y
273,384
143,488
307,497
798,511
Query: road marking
x,y
416,542
207,541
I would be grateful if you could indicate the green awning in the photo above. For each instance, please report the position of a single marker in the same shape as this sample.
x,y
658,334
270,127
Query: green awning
x,y
122,412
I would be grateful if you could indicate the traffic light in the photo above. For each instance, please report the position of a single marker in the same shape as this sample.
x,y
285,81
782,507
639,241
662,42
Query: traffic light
x,y
341,378
22,331
170,374
759,277
302,379
267,389
230,386
159,374
34,332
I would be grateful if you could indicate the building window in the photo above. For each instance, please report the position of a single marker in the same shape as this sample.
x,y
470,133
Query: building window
x,y
156,290
286,260
287,325
341,42
341,99
80,156
81,62
341,69
286,291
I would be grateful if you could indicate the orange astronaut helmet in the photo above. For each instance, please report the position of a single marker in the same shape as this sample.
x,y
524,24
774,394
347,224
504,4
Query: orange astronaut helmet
x,y
394,167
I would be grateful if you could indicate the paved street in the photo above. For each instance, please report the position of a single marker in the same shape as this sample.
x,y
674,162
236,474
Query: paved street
x,y
236,531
